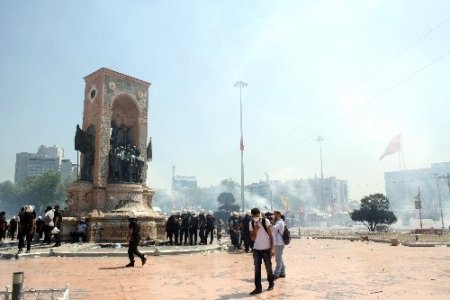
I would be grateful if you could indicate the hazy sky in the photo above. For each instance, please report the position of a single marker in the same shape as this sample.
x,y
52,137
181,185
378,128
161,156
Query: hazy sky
x,y
355,72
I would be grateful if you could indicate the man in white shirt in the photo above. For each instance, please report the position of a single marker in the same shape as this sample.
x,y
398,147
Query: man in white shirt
x,y
261,234
278,230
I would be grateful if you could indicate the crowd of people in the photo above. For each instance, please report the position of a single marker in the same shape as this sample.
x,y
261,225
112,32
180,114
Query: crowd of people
x,y
262,233
28,227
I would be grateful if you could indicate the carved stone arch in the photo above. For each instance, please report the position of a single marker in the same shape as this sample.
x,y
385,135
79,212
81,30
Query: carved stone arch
x,y
125,112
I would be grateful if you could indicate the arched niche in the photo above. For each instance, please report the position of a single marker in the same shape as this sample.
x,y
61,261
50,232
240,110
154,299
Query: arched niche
x,y
125,114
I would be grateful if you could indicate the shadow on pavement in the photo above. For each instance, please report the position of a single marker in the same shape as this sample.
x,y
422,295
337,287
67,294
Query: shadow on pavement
x,y
234,296
112,268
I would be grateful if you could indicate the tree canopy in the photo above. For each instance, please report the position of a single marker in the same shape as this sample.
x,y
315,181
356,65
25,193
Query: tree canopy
x,y
40,191
373,211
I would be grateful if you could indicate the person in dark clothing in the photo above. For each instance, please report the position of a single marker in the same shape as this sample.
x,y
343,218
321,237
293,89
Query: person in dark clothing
x,y
40,227
133,239
233,225
184,227
172,228
210,224
3,225
13,227
26,227
202,227
248,243
57,220
193,227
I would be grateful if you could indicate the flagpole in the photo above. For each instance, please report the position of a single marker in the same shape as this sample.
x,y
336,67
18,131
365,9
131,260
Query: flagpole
x,y
241,85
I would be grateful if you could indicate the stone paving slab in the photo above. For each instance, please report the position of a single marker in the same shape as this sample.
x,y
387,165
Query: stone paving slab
x,y
315,269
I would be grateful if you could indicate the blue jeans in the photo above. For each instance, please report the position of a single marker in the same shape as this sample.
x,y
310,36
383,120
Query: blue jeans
x,y
279,268
258,257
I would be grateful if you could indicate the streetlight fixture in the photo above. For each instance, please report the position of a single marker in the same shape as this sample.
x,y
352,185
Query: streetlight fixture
x,y
241,85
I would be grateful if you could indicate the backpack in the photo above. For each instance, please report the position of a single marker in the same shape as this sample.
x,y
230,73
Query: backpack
x,y
286,236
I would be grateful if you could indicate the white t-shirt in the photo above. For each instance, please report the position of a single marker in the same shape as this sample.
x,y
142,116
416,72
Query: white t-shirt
x,y
277,231
262,241
48,218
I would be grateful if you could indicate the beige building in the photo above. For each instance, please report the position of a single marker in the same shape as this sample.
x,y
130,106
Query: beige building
x,y
46,159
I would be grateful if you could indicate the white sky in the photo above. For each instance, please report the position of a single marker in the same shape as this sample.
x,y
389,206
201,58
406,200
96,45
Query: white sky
x,y
355,72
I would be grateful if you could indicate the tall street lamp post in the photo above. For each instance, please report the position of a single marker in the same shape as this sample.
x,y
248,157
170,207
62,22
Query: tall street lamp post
x,y
241,85
439,196
319,139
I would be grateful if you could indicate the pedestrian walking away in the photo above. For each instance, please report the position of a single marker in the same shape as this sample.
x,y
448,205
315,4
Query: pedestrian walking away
x,y
57,221
261,234
133,239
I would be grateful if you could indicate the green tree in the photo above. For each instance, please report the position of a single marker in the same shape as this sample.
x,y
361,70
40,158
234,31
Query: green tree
x,y
373,210
43,190
8,197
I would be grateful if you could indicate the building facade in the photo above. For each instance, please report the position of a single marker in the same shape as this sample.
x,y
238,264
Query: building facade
x,y
46,159
402,189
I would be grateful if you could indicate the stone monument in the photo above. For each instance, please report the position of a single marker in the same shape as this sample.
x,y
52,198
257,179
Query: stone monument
x,y
114,158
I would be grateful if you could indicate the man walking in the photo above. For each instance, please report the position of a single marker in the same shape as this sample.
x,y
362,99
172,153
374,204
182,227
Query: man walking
x,y
261,234
57,221
133,238
26,231
278,230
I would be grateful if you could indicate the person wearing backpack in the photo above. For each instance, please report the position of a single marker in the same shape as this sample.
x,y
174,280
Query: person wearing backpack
x,y
261,234
278,230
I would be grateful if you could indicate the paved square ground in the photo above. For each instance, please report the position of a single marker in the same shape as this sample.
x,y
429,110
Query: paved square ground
x,y
315,269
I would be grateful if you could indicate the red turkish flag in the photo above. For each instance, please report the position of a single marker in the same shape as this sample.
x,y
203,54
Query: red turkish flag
x,y
241,146
395,145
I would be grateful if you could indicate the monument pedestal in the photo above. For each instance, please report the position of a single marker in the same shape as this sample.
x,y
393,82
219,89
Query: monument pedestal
x,y
106,211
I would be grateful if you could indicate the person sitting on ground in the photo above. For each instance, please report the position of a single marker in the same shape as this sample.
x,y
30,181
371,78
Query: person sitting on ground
x,y
82,230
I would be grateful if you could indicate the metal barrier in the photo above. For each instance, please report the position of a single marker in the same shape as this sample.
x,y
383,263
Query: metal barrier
x,y
38,294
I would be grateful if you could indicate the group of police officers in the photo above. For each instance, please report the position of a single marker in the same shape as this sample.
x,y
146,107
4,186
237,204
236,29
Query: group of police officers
x,y
180,226
189,226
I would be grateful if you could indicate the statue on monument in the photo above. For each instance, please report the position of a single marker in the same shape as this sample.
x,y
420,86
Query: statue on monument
x,y
125,161
84,142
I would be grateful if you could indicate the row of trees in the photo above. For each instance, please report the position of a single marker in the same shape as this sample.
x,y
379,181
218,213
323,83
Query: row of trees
x,y
39,191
